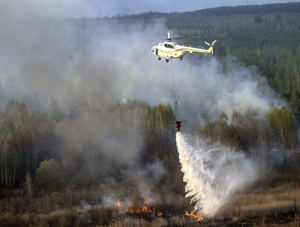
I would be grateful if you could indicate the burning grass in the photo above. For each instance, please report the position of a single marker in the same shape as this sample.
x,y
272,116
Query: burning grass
x,y
259,207
82,208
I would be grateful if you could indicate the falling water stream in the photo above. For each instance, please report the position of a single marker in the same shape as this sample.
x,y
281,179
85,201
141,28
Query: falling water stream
x,y
212,173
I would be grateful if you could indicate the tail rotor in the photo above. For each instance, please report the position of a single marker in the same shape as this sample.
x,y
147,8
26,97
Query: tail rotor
x,y
211,45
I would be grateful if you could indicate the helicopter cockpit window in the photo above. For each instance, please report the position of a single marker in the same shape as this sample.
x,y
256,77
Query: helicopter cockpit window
x,y
169,45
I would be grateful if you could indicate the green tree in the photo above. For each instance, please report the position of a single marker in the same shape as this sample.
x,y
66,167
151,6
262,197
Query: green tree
x,y
50,175
284,127
221,131
164,120
277,82
18,136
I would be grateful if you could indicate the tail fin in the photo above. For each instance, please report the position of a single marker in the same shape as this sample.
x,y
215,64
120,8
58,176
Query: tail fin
x,y
211,49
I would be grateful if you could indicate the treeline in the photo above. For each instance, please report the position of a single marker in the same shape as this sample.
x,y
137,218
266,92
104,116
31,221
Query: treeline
x,y
292,7
33,155
263,139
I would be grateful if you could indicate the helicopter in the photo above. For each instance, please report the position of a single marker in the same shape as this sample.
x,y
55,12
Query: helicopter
x,y
170,49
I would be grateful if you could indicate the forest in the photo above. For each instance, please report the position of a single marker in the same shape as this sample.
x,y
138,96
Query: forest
x,y
50,176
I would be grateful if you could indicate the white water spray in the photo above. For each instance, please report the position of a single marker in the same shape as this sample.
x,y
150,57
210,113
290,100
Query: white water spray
x,y
212,174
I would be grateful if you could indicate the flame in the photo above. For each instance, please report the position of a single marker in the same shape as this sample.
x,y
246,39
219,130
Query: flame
x,y
143,209
192,214
119,206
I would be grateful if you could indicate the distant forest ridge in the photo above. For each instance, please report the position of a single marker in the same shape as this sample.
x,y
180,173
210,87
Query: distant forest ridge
x,y
292,7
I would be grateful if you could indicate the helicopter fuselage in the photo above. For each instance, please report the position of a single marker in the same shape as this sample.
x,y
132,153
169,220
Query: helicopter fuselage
x,y
169,49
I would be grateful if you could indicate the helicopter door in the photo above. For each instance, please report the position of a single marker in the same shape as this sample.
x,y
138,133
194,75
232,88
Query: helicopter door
x,y
156,51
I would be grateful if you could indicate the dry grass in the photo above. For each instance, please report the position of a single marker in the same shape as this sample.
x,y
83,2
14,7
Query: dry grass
x,y
262,204
176,221
260,207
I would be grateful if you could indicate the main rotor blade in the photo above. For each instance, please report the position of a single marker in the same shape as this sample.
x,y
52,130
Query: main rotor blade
x,y
188,36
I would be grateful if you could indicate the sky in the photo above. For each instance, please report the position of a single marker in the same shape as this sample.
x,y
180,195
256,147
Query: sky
x,y
101,8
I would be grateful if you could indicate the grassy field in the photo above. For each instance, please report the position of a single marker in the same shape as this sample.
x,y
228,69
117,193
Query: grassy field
x,y
263,206
278,206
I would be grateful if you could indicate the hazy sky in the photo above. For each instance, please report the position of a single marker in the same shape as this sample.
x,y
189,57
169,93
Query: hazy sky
x,y
100,8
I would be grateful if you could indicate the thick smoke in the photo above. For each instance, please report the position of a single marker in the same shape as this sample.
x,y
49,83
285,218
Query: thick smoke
x,y
81,68
210,86
212,174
